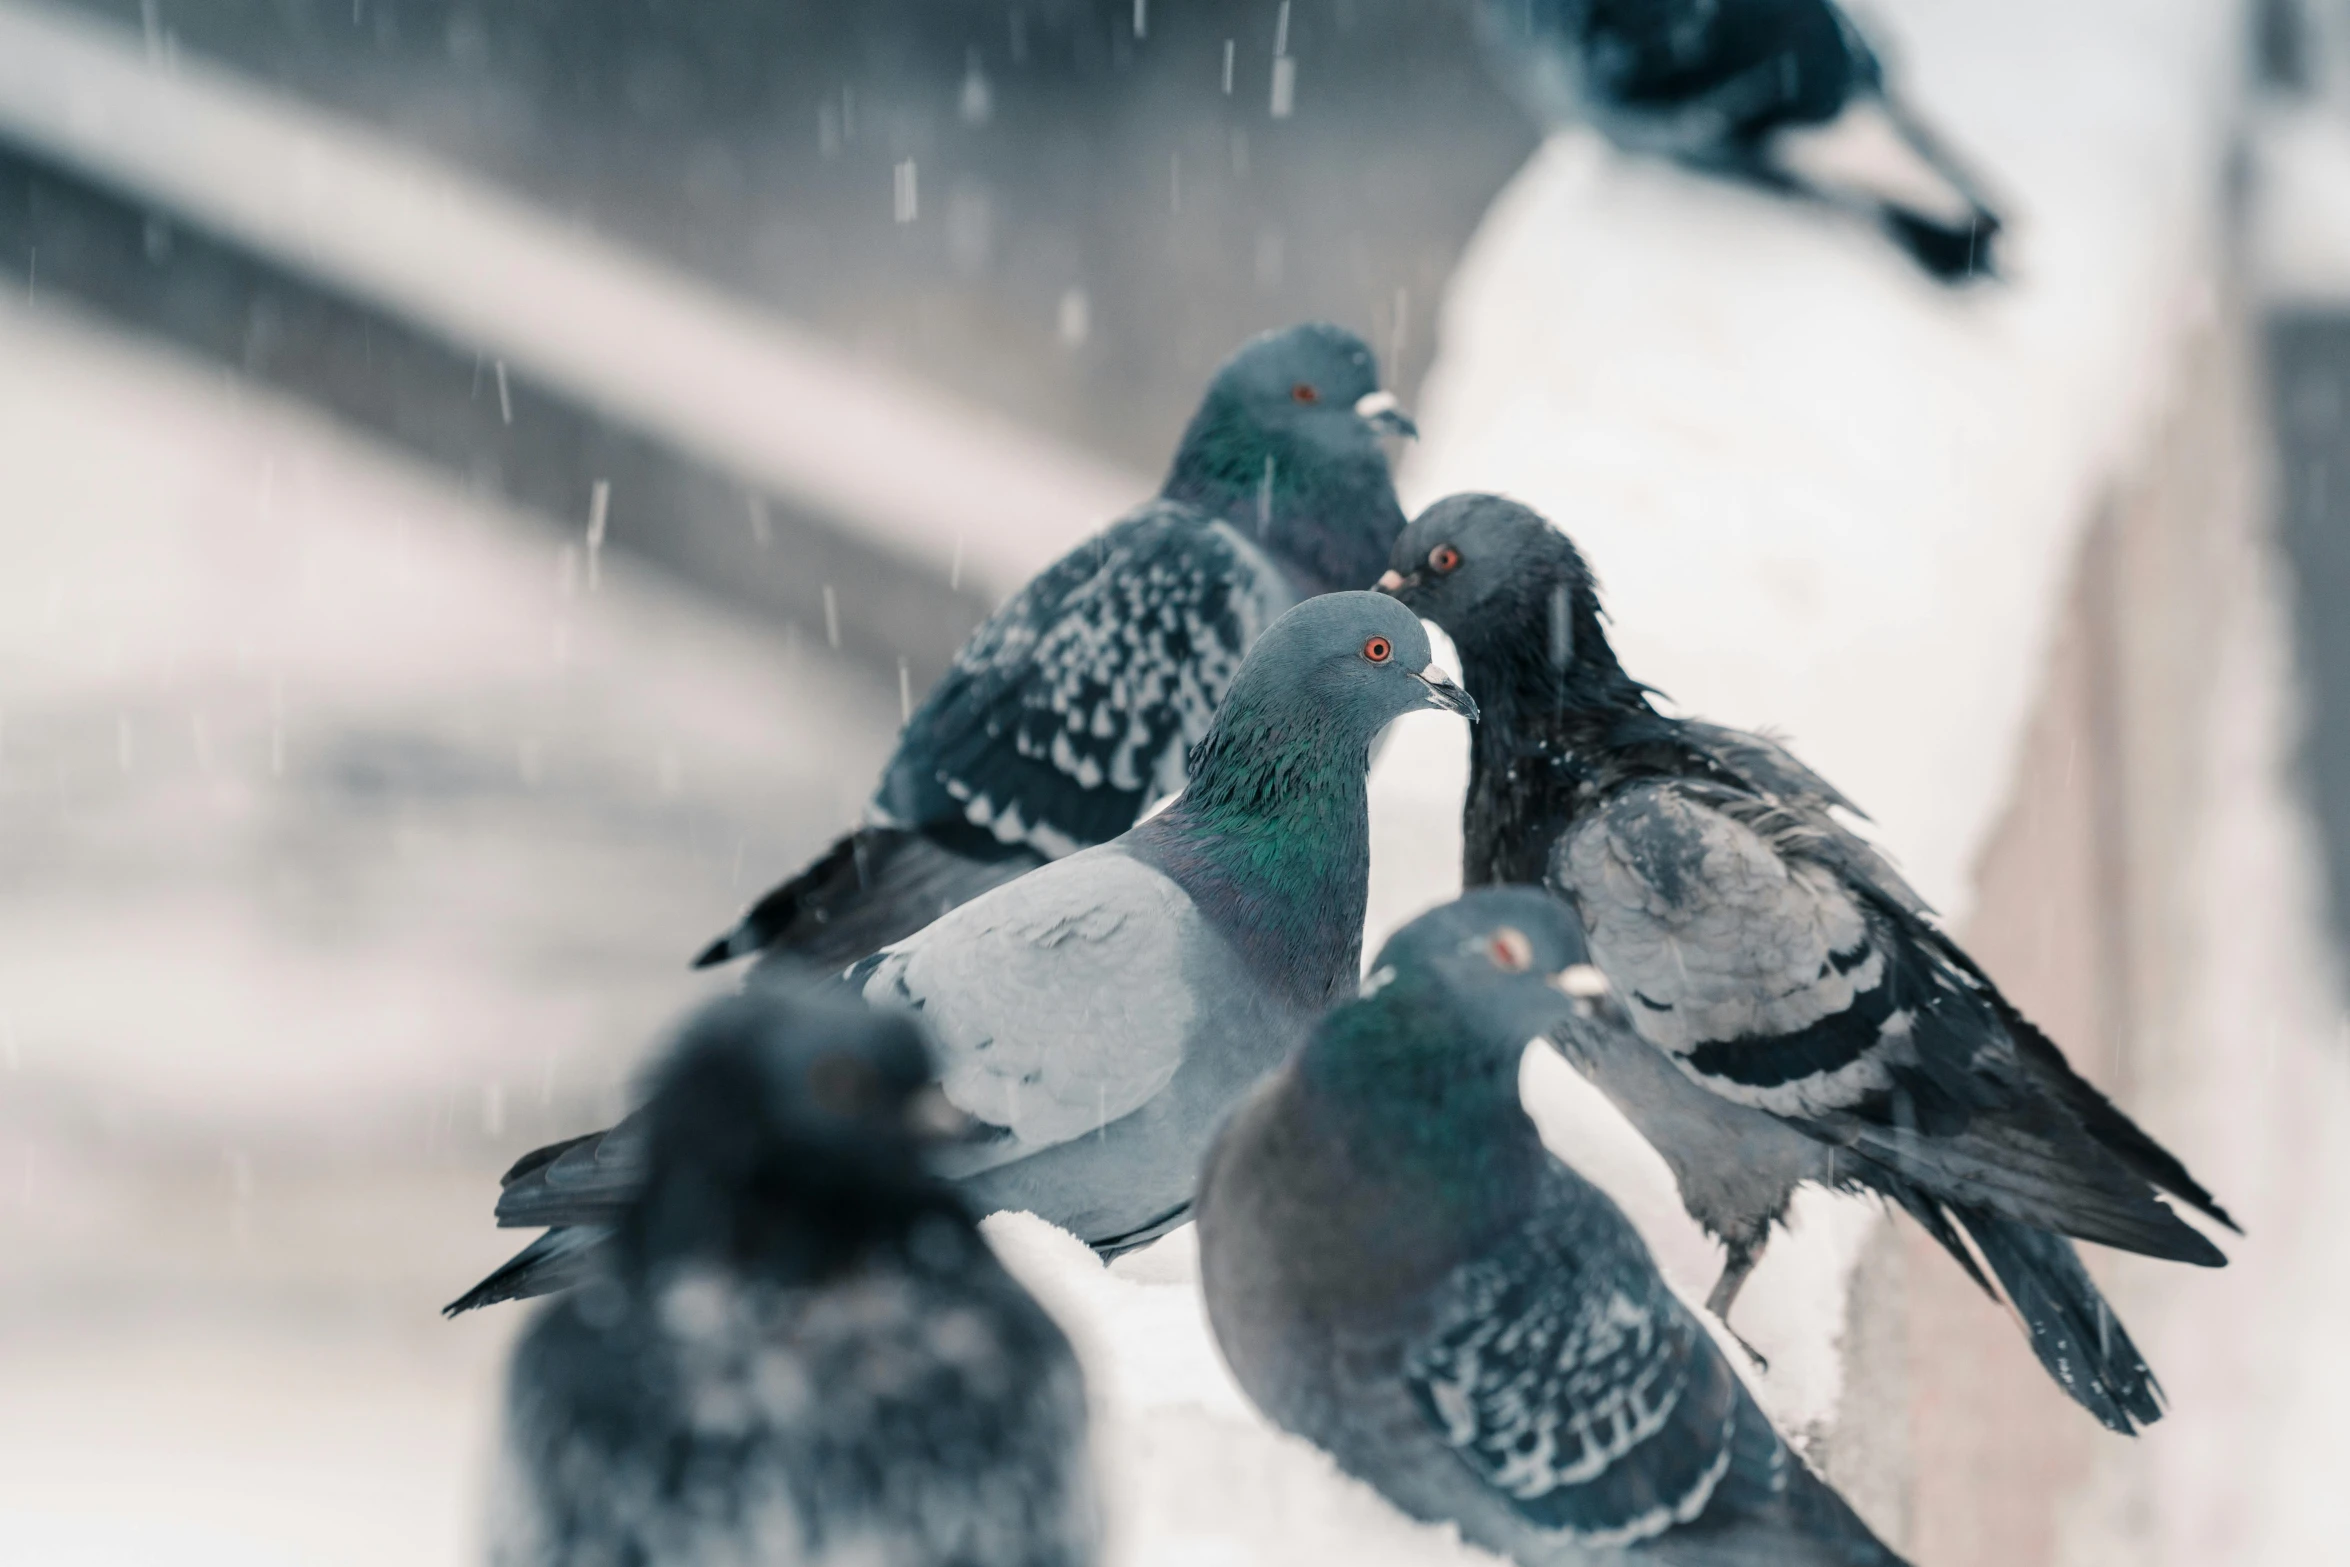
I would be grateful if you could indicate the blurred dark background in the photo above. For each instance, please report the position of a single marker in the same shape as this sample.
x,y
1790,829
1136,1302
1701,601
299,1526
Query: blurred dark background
x,y
1097,220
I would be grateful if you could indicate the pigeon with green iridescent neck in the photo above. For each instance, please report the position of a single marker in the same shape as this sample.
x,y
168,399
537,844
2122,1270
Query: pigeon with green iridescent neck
x,y
1068,713
1097,1017
1792,1012
1398,1271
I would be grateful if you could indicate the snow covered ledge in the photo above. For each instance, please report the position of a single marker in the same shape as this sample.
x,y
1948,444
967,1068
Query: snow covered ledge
x,y
1950,545
1913,531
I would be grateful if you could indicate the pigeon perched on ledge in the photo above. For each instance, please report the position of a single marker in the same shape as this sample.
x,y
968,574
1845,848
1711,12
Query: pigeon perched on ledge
x,y
1398,1271
1784,94
797,1347
1099,1016
1069,711
1790,1010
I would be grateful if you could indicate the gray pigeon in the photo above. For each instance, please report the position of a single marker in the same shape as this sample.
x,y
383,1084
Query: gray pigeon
x,y
1752,90
797,1348
1069,711
1791,1011
1098,1016
1398,1271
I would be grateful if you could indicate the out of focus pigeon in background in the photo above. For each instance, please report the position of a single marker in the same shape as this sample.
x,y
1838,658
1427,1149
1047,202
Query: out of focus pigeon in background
x,y
1070,710
1099,1016
1794,1012
1785,94
1397,1270
797,1348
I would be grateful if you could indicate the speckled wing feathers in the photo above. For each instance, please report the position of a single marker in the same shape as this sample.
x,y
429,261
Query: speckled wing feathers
x,y
1562,1371
881,1419
1071,709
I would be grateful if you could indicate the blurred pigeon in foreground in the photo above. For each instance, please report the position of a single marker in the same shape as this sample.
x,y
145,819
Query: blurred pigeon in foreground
x,y
797,1348
1398,1271
1800,1016
1069,711
1098,1016
1785,94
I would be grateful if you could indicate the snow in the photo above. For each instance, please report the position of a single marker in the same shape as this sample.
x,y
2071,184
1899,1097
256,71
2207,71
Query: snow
x,y
2300,241
1824,497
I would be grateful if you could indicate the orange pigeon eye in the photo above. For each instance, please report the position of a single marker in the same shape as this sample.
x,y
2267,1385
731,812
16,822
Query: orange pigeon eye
x,y
1304,392
1512,952
1444,557
1377,650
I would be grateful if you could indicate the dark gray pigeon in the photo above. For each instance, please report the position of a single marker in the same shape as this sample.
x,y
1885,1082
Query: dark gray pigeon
x,y
1793,1013
1069,711
796,1348
1784,94
1098,1016
1399,1272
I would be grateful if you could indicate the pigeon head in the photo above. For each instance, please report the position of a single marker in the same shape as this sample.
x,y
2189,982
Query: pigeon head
x,y
1424,1062
1514,595
1506,963
780,1113
1286,447
1315,690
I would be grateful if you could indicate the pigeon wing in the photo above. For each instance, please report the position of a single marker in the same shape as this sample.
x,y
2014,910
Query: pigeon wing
x,y
1759,972
1737,945
585,1180
1560,1369
1072,708
1058,1002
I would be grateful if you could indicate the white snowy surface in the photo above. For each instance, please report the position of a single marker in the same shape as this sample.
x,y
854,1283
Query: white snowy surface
x,y
2300,207
615,329
1823,496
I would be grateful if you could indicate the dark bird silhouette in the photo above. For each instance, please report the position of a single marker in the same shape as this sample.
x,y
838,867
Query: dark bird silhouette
x,y
796,1347
1791,1010
1783,94
1099,1016
1397,1270
1069,711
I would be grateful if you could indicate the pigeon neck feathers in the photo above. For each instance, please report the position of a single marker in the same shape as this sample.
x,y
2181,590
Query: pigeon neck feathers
x,y
1272,841
1407,1067
1329,515
1559,721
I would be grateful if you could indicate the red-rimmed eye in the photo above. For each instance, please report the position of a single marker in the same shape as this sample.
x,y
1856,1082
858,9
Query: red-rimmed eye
x,y
1443,558
1512,952
1377,650
1304,392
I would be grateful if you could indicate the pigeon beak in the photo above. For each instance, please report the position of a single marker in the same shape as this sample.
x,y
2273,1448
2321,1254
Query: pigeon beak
x,y
1581,981
1383,413
1444,694
1394,582
934,1118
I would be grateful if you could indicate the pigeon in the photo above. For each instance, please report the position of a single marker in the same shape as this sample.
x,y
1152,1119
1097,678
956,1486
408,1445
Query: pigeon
x,y
1788,1010
797,1348
1782,94
1397,1270
1098,1016
1069,711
